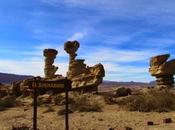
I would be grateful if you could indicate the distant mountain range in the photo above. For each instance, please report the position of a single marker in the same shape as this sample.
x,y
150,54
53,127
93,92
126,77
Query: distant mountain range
x,y
129,84
6,78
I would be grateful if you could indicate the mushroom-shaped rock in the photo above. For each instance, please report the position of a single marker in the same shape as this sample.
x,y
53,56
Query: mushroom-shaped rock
x,y
50,69
79,73
163,70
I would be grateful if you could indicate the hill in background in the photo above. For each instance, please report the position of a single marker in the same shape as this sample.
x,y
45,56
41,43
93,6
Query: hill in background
x,y
6,78
10,78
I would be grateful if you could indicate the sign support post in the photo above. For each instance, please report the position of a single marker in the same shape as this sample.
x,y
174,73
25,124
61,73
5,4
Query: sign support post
x,y
66,109
35,110
62,85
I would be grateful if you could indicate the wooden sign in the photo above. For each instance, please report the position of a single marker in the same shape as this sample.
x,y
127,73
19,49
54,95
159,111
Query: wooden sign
x,y
61,84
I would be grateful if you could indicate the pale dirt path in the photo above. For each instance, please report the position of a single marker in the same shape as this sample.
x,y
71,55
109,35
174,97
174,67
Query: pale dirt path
x,y
111,117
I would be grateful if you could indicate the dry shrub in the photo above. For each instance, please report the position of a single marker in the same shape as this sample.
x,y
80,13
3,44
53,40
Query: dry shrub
x,y
63,111
122,91
154,100
49,109
8,101
109,98
58,99
86,102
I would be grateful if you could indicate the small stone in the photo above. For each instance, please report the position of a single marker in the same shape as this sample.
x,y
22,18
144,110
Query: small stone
x,y
128,128
111,128
150,123
93,116
100,119
81,114
167,120
25,109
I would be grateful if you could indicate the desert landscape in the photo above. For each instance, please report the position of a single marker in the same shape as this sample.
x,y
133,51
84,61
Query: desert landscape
x,y
87,65
91,112
83,101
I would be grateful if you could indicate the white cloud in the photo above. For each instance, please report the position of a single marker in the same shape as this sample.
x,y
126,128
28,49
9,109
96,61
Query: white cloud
x,y
108,57
77,36
150,10
29,67
118,55
21,67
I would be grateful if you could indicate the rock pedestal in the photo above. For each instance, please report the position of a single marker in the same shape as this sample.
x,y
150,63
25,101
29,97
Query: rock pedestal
x,y
50,69
79,73
163,70
71,48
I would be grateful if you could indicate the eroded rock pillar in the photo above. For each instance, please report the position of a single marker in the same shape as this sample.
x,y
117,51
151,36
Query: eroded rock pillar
x,y
163,70
50,69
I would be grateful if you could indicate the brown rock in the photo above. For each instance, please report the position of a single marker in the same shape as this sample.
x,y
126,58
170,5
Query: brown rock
x,y
100,119
167,120
50,69
79,73
111,128
163,70
150,123
128,128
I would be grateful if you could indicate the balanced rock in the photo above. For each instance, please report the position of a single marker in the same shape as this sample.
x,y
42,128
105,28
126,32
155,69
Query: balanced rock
x,y
163,70
79,73
50,69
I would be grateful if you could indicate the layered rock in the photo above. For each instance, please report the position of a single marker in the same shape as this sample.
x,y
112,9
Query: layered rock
x,y
79,73
50,69
163,70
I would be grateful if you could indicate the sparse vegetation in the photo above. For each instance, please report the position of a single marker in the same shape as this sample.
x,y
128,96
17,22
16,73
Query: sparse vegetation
x,y
122,91
86,102
63,111
49,109
6,102
159,101
58,99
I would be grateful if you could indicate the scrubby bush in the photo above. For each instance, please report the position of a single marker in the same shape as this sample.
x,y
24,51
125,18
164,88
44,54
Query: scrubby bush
x,y
8,101
86,102
123,91
63,111
58,99
49,109
159,101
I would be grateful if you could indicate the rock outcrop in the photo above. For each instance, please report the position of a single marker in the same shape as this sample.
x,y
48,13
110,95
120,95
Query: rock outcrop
x,y
50,69
79,73
163,70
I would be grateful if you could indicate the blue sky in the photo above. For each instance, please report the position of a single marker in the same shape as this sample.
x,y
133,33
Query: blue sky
x,y
120,34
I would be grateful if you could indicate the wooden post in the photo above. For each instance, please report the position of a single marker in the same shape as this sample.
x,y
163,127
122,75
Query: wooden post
x,y
66,110
35,110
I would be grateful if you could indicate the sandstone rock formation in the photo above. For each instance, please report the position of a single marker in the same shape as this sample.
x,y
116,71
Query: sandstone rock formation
x,y
163,70
21,88
79,73
50,69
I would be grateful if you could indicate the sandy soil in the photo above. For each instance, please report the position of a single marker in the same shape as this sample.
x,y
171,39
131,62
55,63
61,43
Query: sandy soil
x,y
111,117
